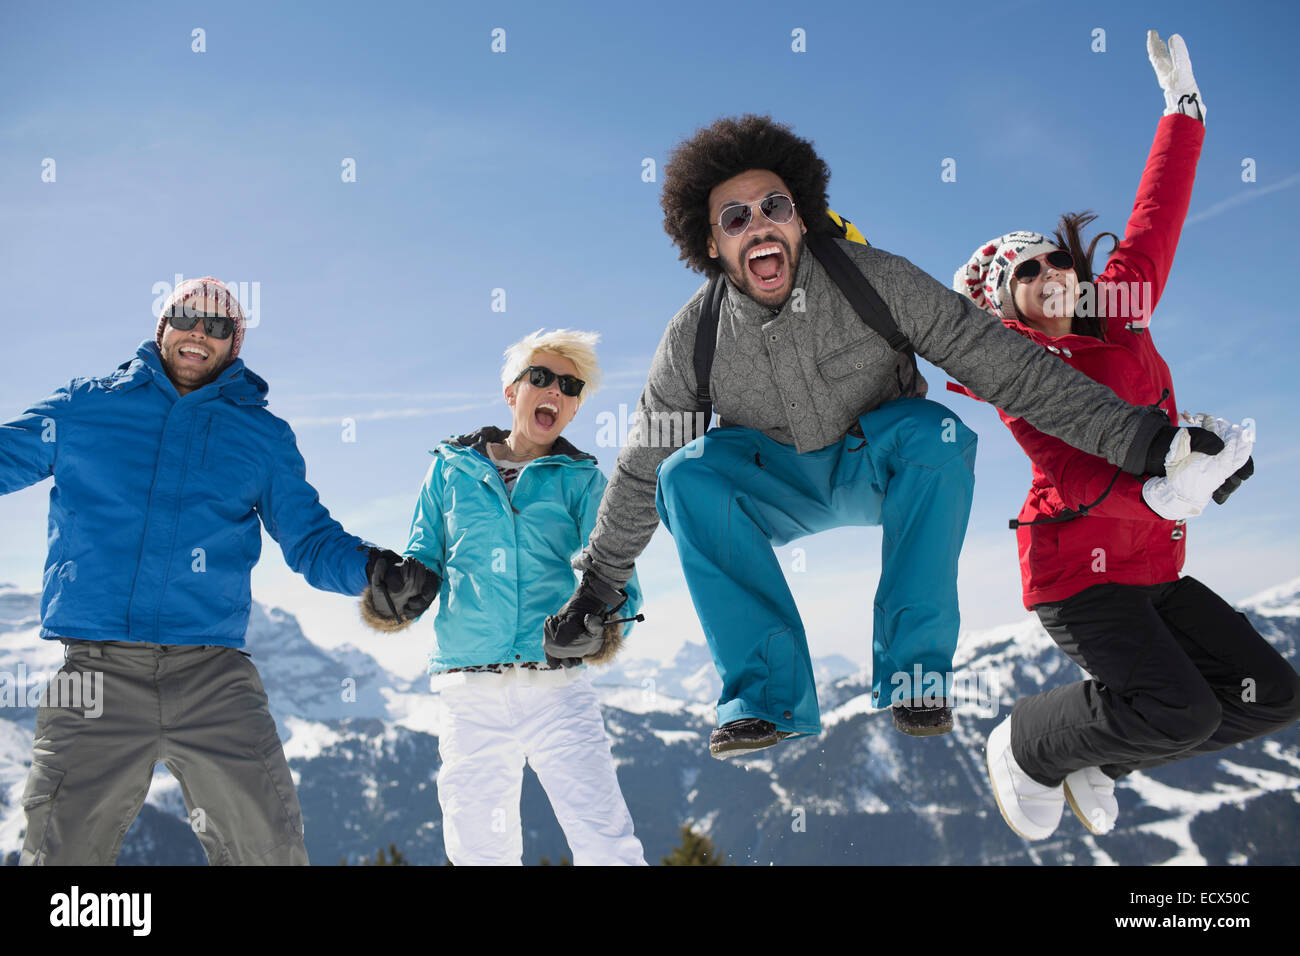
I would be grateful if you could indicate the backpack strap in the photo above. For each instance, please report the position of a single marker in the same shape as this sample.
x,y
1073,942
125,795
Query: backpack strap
x,y
866,301
848,278
706,343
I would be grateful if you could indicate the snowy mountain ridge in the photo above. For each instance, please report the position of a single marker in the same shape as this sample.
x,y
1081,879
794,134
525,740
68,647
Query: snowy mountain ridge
x,y
362,743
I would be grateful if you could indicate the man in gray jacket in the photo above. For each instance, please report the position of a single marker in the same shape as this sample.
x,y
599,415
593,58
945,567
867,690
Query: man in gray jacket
x,y
826,426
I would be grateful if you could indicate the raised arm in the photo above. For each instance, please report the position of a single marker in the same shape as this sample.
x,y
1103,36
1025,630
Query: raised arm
x,y
1134,278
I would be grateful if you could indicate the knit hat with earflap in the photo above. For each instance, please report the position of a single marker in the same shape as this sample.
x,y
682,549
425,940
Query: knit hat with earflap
x,y
196,291
986,278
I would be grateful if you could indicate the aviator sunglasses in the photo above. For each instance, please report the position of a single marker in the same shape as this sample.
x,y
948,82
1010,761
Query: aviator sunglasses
x,y
216,326
735,219
539,376
1029,269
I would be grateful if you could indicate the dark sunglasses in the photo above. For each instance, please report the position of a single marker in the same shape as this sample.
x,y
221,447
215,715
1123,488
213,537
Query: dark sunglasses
x,y
539,376
735,219
216,326
1030,268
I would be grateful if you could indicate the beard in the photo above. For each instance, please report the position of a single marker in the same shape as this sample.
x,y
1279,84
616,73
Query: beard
x,y
186,377
744,280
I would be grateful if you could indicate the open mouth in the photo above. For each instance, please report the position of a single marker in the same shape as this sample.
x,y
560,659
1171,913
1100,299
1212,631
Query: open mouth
x,y
766,264
546,415
192,353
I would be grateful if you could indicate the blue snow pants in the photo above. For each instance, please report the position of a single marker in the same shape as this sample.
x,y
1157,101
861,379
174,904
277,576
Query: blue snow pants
x,y
730,495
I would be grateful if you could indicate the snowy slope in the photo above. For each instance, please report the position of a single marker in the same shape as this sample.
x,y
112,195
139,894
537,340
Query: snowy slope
x,y
365,759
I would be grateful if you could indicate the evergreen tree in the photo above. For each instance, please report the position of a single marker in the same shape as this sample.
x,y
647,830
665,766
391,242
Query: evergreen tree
x,y
696,849
394,857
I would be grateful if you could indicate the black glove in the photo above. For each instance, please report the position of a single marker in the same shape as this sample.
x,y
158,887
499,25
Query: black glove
x,y
400,590
578,631
1202,440
1234,481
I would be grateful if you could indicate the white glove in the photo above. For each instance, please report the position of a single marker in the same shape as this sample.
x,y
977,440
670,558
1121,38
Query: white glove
x,y
1174,73
1186,490
1236,440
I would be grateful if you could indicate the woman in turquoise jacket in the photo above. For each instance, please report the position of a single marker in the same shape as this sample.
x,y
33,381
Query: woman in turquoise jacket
x,y
499,519
503,551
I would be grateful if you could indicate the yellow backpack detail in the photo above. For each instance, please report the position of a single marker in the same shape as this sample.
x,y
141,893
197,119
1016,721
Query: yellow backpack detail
x,y
846,228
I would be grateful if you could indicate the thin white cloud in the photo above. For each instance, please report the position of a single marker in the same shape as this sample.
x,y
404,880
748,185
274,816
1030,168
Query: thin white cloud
x,y
336,421
380,396
632,375
1245,197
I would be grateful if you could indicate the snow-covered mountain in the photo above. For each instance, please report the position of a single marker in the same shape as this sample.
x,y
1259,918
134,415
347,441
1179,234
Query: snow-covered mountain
x,y
362,743
691,674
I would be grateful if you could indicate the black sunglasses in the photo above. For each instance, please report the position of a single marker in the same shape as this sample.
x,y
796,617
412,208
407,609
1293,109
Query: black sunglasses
x,y
1030,268
216,326
735,219
539,376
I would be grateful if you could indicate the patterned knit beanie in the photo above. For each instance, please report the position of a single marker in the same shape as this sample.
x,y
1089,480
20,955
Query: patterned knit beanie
x,y
200,289
986,278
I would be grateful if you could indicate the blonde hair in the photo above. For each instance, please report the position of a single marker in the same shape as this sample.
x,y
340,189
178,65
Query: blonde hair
x,y
577,347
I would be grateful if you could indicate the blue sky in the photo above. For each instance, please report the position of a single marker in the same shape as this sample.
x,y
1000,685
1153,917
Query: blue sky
x,y
522,171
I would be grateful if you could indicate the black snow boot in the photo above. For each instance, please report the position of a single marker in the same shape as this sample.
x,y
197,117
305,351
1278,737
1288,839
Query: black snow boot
x,y
922,720
744,736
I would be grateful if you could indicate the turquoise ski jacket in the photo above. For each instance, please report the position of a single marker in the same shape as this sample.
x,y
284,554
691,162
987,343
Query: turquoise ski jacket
x,y
504,558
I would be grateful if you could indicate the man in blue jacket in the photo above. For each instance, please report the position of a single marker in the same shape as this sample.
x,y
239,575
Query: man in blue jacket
x,y
161,472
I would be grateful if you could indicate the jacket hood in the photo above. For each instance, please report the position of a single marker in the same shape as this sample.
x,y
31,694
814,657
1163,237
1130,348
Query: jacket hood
x,y
235,382
479,439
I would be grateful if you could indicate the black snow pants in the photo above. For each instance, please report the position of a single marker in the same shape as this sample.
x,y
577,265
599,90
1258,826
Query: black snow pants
x,y
1177,672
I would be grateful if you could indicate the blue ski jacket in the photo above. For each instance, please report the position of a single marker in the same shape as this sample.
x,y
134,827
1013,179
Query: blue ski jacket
x,y
504,558
153,526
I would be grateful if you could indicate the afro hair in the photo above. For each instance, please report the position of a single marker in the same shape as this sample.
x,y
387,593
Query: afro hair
x,y
727,148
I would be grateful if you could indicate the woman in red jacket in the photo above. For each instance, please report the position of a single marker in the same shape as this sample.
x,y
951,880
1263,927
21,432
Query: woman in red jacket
x,y
1176,671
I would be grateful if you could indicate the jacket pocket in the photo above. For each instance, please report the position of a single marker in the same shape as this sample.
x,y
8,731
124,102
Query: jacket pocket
x,y
287,827
59,547
208,441
842,363
43,782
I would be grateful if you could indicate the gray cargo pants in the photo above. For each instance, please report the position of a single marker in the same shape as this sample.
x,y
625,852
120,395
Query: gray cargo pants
x,y
114,710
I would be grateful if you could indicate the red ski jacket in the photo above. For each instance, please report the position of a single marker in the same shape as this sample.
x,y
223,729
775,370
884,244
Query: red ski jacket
x,y
1119,540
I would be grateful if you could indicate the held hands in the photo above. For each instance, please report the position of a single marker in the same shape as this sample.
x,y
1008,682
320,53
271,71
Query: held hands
x,y
1174,73
400,590
1224,430
1172,447
583,628
1193,474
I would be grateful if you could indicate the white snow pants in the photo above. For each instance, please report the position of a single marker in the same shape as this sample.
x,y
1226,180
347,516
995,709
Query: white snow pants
x,y
489,728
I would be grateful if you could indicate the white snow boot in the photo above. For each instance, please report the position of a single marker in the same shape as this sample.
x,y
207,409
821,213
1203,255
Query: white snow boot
x,y
1029,808
1091,795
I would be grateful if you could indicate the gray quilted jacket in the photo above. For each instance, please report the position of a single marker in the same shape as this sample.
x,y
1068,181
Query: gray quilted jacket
x,y
802,375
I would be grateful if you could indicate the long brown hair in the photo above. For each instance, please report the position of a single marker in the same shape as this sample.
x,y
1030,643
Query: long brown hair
x,y
1069,236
